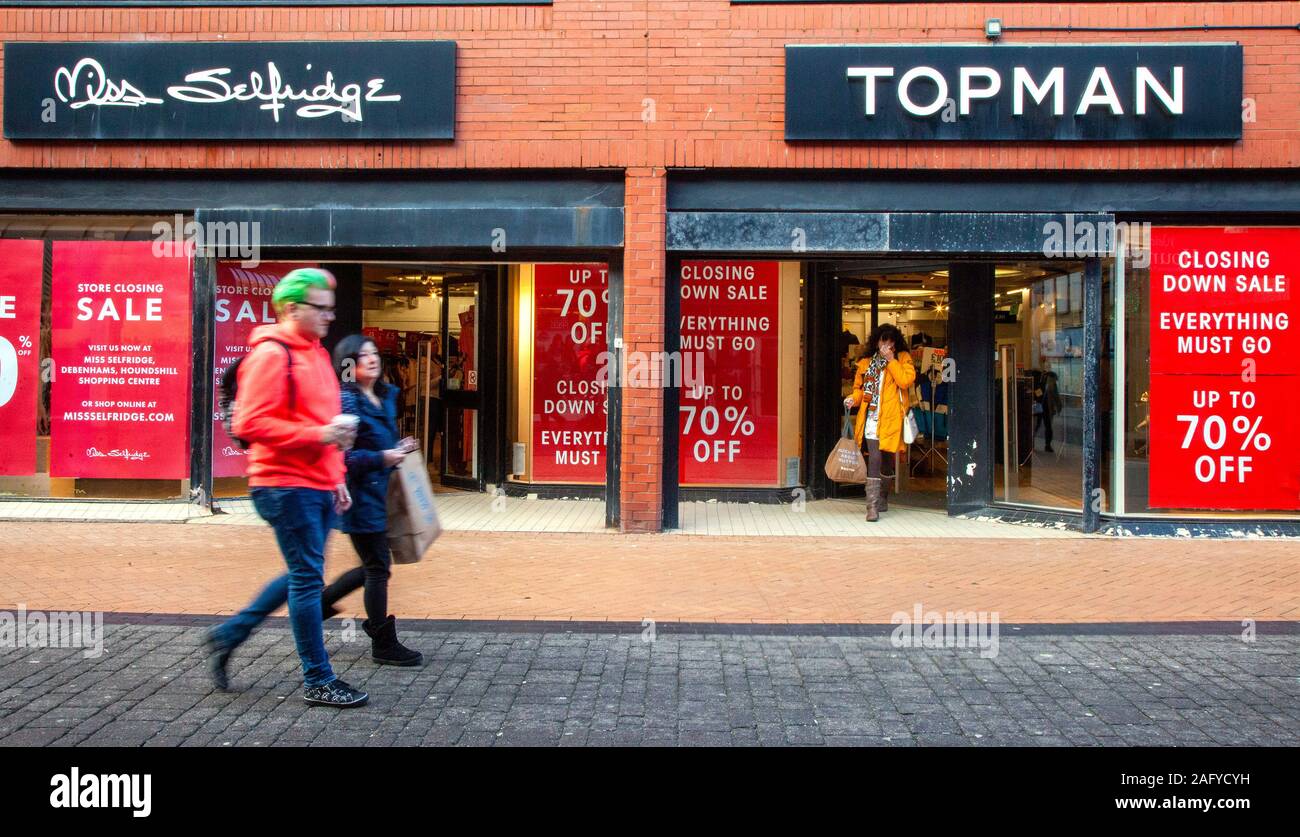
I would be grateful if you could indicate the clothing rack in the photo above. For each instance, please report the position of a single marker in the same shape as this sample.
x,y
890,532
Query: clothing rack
x,y
931,449
931,443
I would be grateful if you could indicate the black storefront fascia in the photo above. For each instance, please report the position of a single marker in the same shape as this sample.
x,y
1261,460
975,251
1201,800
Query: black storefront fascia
x,y
967,218
399,215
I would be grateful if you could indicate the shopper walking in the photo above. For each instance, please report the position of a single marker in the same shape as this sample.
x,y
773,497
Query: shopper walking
x,y
880,386
287,410
370,463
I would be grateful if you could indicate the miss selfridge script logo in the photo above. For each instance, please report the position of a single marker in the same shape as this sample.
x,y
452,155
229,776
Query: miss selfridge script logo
x,y
88,84
109,790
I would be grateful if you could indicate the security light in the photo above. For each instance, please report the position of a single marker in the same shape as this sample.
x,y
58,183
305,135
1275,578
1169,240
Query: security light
x,y
993,28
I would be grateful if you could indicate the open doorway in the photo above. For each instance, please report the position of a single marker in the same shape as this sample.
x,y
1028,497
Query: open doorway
x,y
427,322
1038,324
912,297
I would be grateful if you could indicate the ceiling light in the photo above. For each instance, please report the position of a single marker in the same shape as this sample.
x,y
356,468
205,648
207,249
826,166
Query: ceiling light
x,y
912,292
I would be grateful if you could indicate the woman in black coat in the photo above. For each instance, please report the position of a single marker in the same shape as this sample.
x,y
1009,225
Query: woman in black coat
x,y
370,462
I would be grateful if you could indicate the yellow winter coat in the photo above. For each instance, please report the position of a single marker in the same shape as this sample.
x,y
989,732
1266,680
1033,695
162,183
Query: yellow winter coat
x,y
899,375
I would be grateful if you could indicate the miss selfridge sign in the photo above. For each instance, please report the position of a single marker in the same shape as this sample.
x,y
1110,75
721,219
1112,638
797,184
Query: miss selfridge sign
x,y
304,90
1056,92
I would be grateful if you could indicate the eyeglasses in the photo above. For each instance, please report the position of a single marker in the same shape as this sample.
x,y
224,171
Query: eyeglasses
x,y
324,309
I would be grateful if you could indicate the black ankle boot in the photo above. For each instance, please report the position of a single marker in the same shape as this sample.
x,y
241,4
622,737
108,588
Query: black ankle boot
x,y
384,647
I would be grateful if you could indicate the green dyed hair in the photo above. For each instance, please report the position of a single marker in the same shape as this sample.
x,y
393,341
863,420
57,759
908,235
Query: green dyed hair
x,y
296,283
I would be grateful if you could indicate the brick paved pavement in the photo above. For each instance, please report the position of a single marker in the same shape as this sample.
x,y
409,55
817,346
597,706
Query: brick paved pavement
x,y
546,687
162,568
585,675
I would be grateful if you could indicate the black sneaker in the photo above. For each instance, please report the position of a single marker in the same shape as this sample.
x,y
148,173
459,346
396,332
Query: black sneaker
x,y
335,693
218,656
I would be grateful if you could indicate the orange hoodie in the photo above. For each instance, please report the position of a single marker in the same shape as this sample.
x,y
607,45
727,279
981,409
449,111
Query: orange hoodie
x,y
285,449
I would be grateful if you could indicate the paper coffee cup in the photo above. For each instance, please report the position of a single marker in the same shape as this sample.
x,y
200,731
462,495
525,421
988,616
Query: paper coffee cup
x,y
350,423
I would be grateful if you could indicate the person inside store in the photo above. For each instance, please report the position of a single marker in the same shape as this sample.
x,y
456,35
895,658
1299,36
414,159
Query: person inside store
x,y
1047,401
370,463
884,375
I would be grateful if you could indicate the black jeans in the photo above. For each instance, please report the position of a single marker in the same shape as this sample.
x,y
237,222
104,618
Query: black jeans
x,y
373,574
1045,419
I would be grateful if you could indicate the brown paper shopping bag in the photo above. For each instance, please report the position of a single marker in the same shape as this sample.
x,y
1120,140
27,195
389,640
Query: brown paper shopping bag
x,y
413,523
845,464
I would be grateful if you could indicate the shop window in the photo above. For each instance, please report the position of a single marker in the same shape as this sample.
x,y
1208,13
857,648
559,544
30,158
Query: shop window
x,y
1038,433
559,374
95,361
1204,372
740,415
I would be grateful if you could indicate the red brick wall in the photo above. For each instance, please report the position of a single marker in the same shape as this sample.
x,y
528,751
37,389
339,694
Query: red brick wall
x,y
567,85
643,331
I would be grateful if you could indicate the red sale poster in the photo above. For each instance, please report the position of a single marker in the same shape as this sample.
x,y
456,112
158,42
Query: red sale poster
x,y
243,302
1223,376
1220,443
120,394
571,302
1220,295
728,415
20,342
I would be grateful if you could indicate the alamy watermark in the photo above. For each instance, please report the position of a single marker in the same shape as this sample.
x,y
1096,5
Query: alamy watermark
x,y
74,789
959,629
1077,238
211,239
652,370
53,629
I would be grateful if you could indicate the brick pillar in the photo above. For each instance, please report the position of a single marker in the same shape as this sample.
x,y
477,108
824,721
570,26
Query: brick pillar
x,y
641,488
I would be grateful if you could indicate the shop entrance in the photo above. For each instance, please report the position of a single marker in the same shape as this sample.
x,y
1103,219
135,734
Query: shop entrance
x,y
427,321
779,345
440,334
1037,312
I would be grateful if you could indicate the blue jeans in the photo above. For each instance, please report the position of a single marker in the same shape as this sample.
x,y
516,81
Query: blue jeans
x,y
301,518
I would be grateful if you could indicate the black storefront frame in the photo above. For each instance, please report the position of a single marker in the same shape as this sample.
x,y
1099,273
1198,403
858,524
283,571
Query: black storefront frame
x,y
813,318
310,218
714,207
970,442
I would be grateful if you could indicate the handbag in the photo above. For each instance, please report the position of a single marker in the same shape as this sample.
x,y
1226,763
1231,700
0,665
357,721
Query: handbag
x,y
910,430
846,464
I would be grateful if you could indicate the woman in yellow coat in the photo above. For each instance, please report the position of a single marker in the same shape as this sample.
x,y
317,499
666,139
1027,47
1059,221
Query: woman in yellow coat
x,y
880,387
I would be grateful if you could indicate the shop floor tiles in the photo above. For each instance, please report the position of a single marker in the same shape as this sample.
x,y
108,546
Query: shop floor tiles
x,y
464,511
846,518
60,510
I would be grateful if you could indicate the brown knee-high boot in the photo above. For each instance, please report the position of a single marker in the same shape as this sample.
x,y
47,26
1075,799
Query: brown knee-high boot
x,y
873,499
885,483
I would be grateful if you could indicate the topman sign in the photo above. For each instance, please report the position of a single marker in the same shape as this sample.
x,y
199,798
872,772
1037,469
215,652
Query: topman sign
x,y
1052,92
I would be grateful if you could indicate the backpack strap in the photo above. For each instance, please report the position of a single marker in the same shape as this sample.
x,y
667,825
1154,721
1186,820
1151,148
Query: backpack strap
x,y
288,372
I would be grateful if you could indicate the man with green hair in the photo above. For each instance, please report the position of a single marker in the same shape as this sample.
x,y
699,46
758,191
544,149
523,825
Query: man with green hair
x,y
287,410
